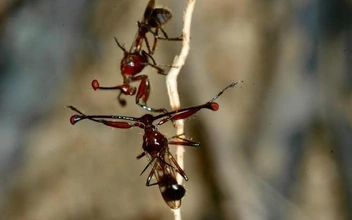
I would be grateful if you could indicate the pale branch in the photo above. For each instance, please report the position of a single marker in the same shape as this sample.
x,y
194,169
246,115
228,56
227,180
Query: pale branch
x,y
171,84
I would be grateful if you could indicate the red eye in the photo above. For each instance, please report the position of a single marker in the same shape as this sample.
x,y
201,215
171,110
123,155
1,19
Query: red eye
x,y
95,84
214,106
74,119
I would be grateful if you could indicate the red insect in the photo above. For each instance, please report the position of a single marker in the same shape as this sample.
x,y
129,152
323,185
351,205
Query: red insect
x,y
156,145
134,60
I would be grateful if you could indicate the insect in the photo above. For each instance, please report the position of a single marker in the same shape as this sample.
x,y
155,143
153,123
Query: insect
x,y
136,59
156,145
165,175
155,18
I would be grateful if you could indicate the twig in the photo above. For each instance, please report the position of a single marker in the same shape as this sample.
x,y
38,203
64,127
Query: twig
x,y
171,84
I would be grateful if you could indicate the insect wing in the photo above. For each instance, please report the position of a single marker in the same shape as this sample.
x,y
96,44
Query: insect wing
x,y
159,17
165,175
138,38
148,11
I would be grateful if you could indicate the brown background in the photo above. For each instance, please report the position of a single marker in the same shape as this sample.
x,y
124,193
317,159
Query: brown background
x,y
278,148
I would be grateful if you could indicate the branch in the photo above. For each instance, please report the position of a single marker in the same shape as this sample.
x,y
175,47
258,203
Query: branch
x,y
171,84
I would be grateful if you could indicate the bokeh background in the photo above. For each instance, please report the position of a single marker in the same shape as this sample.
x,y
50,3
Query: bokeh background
x,y
280,146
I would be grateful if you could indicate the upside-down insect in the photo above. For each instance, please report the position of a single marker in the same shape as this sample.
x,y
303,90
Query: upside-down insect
x,y
134,60
156,145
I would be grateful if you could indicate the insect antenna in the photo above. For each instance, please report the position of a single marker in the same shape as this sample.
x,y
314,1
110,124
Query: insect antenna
x,y
222,91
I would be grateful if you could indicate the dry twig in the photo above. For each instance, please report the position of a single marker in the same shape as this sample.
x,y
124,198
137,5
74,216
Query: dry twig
x,y
171,83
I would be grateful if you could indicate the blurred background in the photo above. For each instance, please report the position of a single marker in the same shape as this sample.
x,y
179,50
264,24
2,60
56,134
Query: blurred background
x,y
278,148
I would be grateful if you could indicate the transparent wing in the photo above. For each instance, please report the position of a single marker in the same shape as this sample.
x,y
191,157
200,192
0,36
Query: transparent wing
x,y
164,171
